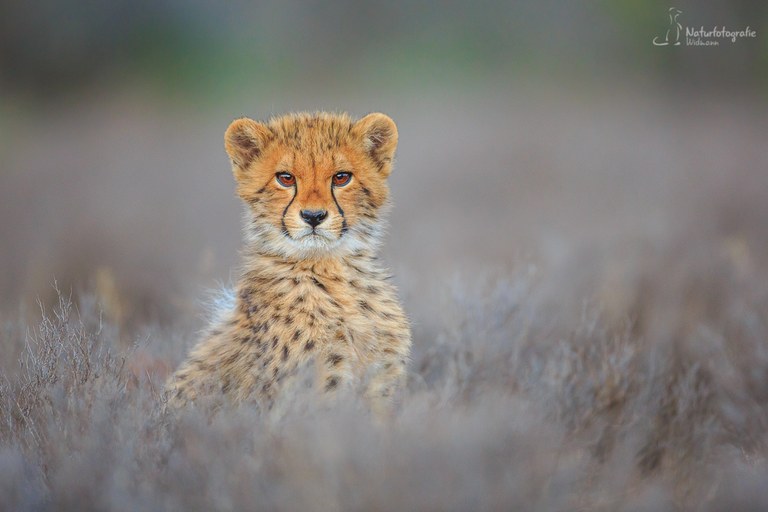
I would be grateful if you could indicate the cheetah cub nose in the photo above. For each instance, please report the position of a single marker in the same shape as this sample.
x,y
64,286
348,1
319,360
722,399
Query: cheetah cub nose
x,y
313,217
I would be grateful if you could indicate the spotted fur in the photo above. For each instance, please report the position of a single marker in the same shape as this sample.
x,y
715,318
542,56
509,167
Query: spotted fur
x,y
306,295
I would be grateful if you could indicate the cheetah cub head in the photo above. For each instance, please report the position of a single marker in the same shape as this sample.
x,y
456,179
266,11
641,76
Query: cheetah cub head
x,y
315,184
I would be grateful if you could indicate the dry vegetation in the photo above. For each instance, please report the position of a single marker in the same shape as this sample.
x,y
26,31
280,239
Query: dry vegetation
x,y
623,370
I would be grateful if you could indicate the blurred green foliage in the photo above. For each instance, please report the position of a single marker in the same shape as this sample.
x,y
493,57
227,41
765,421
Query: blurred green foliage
x,y
50,47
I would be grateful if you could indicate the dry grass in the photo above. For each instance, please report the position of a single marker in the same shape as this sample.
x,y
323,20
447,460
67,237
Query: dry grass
x,y
621,366
512,404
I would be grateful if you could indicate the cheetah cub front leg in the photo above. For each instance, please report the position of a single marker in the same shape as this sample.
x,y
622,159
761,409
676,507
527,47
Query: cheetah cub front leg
x,y
334,365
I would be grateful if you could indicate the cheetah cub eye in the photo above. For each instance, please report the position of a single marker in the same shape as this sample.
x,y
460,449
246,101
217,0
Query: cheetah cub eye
x,y
342,179
285,179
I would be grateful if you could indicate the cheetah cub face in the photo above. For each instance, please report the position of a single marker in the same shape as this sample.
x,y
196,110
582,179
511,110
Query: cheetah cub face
x,y
314,184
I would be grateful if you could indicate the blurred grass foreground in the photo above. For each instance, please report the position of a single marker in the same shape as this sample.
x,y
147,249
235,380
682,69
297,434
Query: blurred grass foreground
x,y
579,234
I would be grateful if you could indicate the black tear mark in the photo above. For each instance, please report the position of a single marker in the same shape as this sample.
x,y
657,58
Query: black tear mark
x,y
282,219
344,226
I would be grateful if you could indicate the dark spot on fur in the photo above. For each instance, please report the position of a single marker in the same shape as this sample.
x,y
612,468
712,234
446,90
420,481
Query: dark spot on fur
x,y
310,345
331,383
286,351
319,284
274,341
297,335
334,359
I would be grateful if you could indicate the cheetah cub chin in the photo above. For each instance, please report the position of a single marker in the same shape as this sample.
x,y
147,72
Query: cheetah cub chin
x,y
311,289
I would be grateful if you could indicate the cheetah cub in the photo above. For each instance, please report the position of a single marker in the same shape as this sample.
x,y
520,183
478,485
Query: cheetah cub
x,y
311,289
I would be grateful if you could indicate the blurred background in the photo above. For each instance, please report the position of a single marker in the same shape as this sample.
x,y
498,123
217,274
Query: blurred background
x,y
533,132
579,235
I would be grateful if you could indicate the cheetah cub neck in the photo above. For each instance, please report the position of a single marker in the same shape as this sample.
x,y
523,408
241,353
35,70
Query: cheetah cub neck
x,y
315,189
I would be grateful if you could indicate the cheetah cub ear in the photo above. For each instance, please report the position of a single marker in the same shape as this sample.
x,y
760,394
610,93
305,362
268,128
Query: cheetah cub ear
x,y
245,140
379,138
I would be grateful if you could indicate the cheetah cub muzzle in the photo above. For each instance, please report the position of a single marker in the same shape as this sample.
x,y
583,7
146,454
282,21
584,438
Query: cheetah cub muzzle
x,y
311,291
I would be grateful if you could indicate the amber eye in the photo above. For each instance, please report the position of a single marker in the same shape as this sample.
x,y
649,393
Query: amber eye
x,y
286,179
341,179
